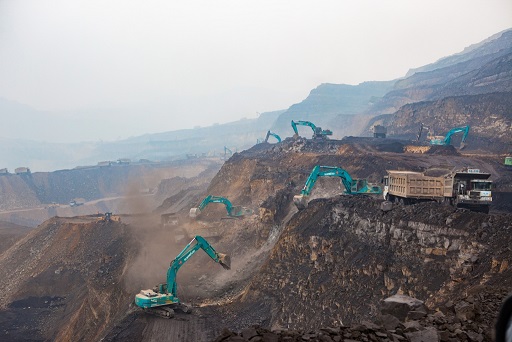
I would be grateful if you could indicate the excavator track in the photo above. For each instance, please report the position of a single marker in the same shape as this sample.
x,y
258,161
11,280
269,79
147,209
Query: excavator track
x,y
162,311
168,311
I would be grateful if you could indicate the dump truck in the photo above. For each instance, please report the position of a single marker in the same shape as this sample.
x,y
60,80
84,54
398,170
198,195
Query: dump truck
x,y
467,188
379,131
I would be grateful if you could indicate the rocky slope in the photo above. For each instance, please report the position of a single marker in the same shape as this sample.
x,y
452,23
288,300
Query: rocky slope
x,y
10,233
488,115
482,70
63,281
338,259
330,264
335,107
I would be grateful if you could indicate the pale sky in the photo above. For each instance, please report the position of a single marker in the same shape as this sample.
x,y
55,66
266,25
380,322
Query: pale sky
x,y
164,65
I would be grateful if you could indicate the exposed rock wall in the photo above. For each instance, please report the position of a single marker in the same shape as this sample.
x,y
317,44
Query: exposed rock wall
x,y
489,116
336,260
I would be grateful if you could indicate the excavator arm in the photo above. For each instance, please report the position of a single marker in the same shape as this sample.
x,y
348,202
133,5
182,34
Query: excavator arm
x,y
448,138
464,130
193,246
294,126
233,211
194,212
327,171
269,133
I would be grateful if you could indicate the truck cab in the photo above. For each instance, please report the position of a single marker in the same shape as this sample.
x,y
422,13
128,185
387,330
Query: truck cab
x,y
473,189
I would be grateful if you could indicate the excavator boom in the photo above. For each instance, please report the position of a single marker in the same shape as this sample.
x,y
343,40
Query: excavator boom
x,y
269,133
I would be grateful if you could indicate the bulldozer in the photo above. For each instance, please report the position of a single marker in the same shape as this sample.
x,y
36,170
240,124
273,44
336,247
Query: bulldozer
x,y
109,217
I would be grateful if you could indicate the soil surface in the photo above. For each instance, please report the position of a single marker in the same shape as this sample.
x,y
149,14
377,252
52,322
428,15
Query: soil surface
x,y
328,266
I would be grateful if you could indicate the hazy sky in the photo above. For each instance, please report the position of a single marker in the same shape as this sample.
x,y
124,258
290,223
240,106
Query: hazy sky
x,y
179,64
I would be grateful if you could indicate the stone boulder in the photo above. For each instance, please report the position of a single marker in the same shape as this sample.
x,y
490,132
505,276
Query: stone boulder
x,y
400,306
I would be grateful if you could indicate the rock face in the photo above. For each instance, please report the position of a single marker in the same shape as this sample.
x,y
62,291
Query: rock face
x,y
434,327
484,69
488,115
334,106
336,260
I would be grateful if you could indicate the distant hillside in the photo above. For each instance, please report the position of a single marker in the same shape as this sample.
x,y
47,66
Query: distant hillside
x,y
172,145
489,116
493,44
483,69
31,190
334,106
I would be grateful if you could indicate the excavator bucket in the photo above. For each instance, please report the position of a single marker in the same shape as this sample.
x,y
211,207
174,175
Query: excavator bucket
x,y
462,145
224,260
239,211
300,201
194,212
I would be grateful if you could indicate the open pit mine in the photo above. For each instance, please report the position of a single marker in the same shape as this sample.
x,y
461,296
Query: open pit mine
x,y
320,247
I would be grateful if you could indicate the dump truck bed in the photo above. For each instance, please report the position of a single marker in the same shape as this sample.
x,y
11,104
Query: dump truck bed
x,y
409,184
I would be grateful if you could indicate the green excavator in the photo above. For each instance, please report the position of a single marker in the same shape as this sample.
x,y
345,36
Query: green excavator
x,y
352,186
446,140
318,132
163,299
233,211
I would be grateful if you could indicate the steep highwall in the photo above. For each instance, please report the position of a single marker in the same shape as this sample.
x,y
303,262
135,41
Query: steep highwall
x,y
339,258
488,115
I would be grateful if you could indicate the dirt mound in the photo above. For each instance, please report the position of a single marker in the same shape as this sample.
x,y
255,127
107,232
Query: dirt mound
x,y
61,282
10,233
447,150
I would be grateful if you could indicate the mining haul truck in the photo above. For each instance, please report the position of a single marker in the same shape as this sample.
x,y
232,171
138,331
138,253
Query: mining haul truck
x,y
468,188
